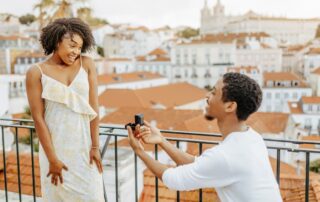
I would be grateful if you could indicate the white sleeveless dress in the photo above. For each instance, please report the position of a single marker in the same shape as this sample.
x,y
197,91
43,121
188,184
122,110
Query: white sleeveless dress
x,y
68,115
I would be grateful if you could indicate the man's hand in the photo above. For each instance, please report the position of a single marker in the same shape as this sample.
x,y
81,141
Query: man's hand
x,y
149,134
133,141
96,158
55,170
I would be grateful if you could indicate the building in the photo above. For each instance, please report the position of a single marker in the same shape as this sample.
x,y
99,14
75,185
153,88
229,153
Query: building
x,y
118,66
203,60
281,87
251,71
157,61
285,30
134,80
306,114
25,61
315,81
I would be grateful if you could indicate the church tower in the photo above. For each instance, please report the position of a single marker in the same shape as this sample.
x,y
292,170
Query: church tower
x,y
218,9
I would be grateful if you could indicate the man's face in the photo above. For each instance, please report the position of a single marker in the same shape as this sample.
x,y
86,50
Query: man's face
x,y
215,106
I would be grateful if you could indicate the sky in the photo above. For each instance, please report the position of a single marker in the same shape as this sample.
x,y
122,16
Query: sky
x,y
157,13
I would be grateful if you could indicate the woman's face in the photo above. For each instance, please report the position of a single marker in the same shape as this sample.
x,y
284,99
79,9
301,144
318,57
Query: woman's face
x,y
69,48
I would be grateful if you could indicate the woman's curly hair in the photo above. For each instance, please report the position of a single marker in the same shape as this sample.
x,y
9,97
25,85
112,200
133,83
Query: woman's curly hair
x,y
53,33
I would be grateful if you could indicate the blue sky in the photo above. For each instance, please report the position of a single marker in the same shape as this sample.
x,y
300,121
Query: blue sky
x,y
155,13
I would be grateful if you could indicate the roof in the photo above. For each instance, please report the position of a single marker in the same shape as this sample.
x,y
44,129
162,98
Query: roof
x,y
310,100
313,51
25,174
13,38
158,51
106,79
309,138
316,71
247,69
295,108
118,59
169,96
225,38
31,55
280,76
283,76
268,122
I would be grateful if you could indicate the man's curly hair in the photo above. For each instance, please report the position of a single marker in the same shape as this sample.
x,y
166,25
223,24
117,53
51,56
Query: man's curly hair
x,y
53,33
243,90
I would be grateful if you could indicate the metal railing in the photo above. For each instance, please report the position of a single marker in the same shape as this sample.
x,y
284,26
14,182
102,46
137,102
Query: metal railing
x,y
107,130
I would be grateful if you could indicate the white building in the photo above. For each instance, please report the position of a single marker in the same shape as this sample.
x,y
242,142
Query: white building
x,y
99,33
133,80
262,52
285,30
203,60
279,88
25,61
131,42
15,86
157,61
251,71
4,94
311,61
306,114
315,81
118,66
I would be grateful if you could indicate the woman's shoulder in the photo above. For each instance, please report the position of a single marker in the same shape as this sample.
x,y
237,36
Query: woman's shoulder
x,y
87,63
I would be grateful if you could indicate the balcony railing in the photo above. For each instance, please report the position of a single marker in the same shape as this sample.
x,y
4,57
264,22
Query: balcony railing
x,y
109,131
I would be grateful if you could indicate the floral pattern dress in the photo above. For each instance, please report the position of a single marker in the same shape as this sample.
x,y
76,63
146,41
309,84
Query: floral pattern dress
x,y
68,115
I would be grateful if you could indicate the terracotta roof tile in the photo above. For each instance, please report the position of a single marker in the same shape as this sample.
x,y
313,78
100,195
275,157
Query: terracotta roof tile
x,y
158,51
310,100
169,96
295,108
25,174
283,76
106,79
316,71
247,69
313,51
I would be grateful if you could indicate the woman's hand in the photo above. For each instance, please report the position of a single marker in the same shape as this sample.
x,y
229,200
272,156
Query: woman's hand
x,y
55,170
96,158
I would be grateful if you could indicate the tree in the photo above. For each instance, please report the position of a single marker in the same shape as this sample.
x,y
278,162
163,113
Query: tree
x,y
27,19
318,32
315,165
188,33
100,51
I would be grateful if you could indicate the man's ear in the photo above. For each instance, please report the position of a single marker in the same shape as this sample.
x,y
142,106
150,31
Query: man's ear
x,y
230,107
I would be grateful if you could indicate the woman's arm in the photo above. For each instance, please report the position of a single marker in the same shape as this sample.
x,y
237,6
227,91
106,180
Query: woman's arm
x,y
34,90
93,100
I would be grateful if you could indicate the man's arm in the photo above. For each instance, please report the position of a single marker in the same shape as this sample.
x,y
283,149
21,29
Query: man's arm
x,y
176,154
152,135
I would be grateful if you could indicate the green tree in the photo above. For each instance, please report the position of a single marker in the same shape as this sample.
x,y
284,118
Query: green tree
x,y
315,166
188,33
27,19
100,51
318,32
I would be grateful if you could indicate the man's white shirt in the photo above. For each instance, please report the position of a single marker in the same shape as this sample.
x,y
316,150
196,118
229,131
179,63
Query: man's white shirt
x,y
238,168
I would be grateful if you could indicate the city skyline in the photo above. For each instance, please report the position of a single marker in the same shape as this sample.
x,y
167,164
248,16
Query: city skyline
x,y
160,13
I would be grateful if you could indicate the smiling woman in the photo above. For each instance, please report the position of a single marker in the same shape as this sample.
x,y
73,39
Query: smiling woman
x,y
62,94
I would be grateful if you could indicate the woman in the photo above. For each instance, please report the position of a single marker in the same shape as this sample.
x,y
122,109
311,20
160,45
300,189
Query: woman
x,y
62,94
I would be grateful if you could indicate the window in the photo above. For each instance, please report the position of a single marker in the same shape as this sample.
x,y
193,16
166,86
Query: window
x,y
295,95
277,95
269,96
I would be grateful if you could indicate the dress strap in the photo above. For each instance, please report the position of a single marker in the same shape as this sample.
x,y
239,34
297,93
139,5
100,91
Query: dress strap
x,y
37,65
80,61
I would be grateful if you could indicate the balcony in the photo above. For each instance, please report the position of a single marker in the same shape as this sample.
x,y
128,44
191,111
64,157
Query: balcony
x,y
20,177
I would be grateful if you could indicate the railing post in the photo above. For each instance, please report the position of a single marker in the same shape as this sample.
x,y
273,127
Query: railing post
x,y
156,180
278,166
200,190
4,164
32,163
116,165
178,192
18,162
307,177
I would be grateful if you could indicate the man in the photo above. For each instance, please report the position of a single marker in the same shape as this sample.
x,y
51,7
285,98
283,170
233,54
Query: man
x,y
238,168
